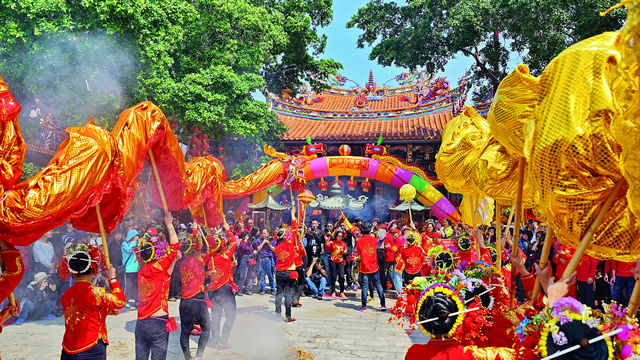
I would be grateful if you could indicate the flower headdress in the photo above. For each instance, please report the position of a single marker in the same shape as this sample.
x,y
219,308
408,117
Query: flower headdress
x,y
93,253
463,242
156,244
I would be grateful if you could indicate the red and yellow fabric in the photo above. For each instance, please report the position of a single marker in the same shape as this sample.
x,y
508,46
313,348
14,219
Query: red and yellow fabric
x,y
337,251
12,146
274,172
85,311
192,274
204,177
153,284
285,253
366,249
13,272
223,267
142,128
300,252
413,258
83,172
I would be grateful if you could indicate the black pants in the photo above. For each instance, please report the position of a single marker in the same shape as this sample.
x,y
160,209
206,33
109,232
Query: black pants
x,y
152,337
222,300
387,269
603,292
193,310
96,352
131,286
408,277
175,286
299,283
284,286
383,276
337,269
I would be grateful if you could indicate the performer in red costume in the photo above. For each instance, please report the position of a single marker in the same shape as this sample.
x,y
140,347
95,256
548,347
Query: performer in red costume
x,y
193,307
12,271
151,333
86,306
286,273
222,287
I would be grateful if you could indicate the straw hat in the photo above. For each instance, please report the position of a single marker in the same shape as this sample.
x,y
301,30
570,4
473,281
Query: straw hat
x,y
39,277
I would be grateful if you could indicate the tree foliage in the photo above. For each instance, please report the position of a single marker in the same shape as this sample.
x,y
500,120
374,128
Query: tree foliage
x,y
430,33
199,60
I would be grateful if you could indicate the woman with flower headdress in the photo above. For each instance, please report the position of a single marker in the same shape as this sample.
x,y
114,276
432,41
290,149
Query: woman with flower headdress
x,y
193,304
86,306
151,333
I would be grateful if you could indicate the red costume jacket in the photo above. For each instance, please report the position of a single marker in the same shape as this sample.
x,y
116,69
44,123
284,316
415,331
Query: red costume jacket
x,y
223,265
153,284
11,276
85,310
192,274
586,268
366,249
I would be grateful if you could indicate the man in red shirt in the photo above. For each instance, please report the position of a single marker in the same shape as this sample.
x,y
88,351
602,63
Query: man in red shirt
x,y
621,278
193,308
413,256
586,275
366,251
153,285
286,273
220,288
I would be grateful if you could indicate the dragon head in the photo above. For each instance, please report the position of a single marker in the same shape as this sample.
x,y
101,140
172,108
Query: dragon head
x,y
376,149
313,149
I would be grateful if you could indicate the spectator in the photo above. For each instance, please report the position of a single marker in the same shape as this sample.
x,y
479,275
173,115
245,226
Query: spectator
x,y
622,278
327,251
130,267
447,229
43,254
585,278
114,245
67,235
266,258
603,288
250,228
246,267
315,240
316,278
39,299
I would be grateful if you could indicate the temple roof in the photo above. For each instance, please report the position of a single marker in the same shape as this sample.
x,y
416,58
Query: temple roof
x,y
417,110
268,203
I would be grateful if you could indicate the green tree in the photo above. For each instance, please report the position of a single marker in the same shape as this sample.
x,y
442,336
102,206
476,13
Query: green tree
x,y
430,33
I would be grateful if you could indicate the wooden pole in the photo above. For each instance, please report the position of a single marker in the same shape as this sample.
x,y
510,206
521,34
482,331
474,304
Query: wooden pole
x,y
516,230
498,262
586,239
103,235
634,300
544,259
474,209
12,301
155,172
410,216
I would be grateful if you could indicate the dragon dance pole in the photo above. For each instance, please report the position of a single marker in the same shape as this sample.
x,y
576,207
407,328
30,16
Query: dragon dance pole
x,y
498,263
516,230
103,235
544,259
155,172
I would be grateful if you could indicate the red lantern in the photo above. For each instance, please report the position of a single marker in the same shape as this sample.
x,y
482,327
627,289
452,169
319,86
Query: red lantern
x,y
337,180
193,140
366,185
351,184
323,184
193,152
196,130
205,146
344,150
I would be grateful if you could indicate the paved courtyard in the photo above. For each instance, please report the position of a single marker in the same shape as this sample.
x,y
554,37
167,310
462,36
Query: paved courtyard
x,y
328,329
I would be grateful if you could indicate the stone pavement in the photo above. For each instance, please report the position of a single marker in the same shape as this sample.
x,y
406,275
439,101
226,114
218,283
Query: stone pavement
x,y
328,329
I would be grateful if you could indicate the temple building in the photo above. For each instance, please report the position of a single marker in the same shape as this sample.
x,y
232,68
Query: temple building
x,y
408,112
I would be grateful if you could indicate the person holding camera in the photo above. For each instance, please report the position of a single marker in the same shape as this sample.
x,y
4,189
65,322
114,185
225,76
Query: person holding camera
x,y
39,299
316,278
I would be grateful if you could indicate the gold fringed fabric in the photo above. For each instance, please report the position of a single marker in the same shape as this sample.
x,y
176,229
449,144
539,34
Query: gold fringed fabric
x,y
12,146
272,173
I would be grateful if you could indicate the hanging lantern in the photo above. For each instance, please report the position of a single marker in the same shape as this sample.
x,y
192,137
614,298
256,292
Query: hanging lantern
x,y
351,184
193,140
306,197
337,180
366,185
323,184
193,152
344,150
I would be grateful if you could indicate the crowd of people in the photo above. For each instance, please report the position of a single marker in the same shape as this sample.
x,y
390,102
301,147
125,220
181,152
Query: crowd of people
x,y
163,260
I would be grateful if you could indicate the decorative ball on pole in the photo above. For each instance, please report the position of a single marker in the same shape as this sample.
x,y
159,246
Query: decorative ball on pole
x,y
344,150
408,193
306,197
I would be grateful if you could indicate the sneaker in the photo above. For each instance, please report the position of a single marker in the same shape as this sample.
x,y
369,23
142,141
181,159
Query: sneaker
x,y
195,332
273,292
383,308
19,322
298,303
127,305
319,296
51,317
262,292
226,346
333,294
290,320
172,299
369,299
217,346
239,293
363,309
342,296
247,292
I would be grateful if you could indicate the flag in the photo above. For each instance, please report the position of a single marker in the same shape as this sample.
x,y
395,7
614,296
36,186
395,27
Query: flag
x,y
347,224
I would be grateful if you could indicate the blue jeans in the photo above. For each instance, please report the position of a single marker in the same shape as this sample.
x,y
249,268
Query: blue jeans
x,y
268,268
622,282
312,285
365,287
38,310
327,261
585,292
397,281
245,274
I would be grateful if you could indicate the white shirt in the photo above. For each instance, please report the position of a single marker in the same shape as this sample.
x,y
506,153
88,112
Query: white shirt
x,y
43,253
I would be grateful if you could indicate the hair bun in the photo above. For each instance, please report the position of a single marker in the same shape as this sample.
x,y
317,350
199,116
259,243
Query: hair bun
x,y
575,331
444,260
434,307
80,263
